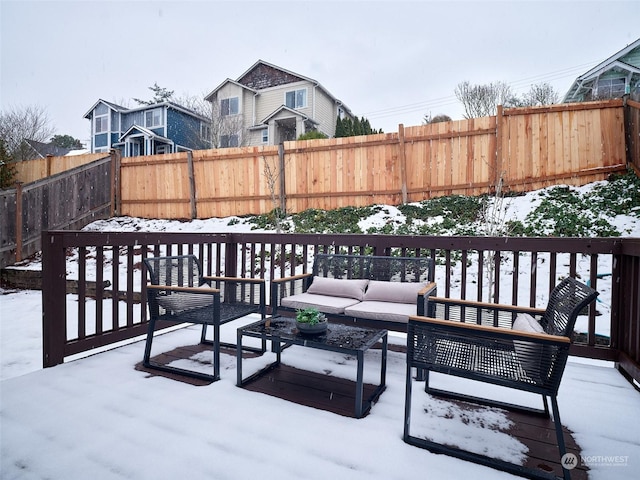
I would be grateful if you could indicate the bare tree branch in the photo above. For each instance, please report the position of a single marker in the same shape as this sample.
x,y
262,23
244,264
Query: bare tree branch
x,y
24,123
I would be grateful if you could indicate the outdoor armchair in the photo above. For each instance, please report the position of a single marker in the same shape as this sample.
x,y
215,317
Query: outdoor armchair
x,y
179,293
517,347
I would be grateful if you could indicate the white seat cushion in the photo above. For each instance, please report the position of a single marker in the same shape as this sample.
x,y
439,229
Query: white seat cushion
x,y
389,311
324,303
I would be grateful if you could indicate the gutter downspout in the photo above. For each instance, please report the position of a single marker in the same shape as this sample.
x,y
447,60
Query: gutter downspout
x,y
313,108
254,119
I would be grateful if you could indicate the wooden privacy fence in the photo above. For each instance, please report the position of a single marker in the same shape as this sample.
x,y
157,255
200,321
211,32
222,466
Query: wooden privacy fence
x,y
32,170
524,148
632,128
70,199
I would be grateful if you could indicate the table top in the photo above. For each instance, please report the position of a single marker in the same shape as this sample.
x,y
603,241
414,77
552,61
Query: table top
x,y
337,335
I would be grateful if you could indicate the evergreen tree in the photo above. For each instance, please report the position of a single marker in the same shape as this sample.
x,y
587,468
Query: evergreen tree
x,y
366,127
160,95
66,141
358,126
348,127
339,128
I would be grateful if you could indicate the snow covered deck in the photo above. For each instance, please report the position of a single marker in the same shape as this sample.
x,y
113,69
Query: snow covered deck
x,y
103,417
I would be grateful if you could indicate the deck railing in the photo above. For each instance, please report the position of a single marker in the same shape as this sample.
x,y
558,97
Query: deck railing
x,y
503,270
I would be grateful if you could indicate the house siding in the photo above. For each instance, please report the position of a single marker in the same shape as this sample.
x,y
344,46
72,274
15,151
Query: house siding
x,y
271,84
633,57
273,98
326,113
184,130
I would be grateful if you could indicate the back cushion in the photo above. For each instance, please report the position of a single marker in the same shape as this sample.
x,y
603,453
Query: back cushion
x,y
531,355
396,292
182,301
338,287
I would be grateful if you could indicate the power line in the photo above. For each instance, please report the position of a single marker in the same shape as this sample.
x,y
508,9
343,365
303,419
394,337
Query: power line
x,y
440,102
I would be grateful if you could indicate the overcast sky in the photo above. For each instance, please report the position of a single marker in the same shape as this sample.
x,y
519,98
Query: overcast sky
x,y
391,61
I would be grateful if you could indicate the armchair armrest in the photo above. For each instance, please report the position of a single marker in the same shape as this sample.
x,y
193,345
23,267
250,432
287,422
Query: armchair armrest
x,y
491,306
429,288
287,286
291,278
424,297
471,329
481,313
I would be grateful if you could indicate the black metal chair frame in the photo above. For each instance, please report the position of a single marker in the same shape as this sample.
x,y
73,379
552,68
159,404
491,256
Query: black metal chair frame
x,y
474,340
208,301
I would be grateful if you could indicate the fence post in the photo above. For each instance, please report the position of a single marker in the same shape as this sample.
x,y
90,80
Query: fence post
x,y
19,221
49,161
192,186
403,163
283,199
115,182
230,265
499,135
54,308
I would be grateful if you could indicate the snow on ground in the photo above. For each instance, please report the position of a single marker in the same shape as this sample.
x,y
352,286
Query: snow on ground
x,y
98,416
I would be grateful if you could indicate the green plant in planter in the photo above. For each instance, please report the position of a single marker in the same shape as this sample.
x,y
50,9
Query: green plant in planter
x,y
310,316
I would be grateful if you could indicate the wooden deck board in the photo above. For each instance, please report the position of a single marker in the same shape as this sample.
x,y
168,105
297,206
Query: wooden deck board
x,y
337,395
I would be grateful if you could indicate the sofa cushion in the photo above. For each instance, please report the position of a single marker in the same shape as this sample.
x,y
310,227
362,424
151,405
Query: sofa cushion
x,y
324,303
396,292
338,287
530,355
178,302
388,311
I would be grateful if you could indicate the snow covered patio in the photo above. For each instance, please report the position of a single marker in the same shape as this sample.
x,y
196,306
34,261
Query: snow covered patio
x,y
102,416
99,416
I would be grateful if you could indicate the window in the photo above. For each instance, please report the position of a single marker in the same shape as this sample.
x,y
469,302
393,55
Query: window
x,y
153,118
610,88
102,124
205,131
265,135
229,106
228,141
296,98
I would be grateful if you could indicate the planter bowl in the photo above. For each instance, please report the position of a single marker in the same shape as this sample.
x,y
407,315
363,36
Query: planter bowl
x,y
309,329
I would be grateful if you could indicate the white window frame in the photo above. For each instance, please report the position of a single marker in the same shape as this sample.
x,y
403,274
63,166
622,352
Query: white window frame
x,y
101,123
156,118
265,135
299,98
232,108
205,131
605,87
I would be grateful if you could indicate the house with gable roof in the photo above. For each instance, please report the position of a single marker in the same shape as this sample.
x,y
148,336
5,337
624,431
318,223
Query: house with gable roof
x,y
615,77
268,104
164,127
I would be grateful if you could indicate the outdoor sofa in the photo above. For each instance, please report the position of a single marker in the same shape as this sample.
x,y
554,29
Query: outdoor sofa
x,y
368,290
